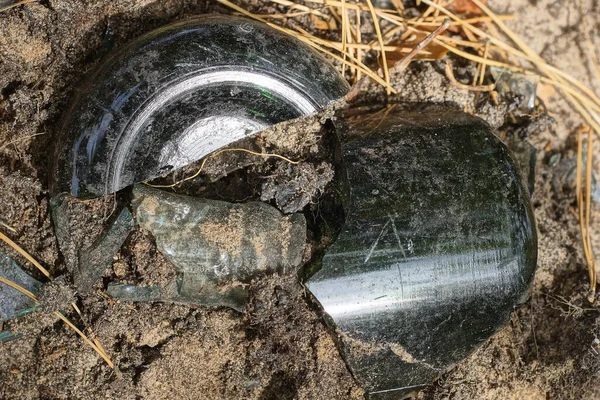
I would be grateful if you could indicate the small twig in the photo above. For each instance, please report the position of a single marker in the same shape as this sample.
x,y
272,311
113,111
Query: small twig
x,y
402,64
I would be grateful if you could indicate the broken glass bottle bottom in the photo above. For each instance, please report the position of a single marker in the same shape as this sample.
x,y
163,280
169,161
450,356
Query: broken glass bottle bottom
x,y
438,247
181,92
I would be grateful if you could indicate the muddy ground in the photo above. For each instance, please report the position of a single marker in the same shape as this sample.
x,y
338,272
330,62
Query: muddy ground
x,y
278,348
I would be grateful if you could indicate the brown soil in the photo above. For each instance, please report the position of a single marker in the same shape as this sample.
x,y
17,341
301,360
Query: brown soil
x,y
278,348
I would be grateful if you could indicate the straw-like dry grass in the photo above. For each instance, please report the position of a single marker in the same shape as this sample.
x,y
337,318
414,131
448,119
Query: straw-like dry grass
x,y
95,344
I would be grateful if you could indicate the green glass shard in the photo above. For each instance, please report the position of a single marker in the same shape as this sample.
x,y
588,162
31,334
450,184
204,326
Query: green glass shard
x,y
217,247
12,302
134,292
95,261
88,261
7,336
184,290
193,289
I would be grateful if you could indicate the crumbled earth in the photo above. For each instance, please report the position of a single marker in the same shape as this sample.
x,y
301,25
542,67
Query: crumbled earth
x,y
279,348
294,186
142,258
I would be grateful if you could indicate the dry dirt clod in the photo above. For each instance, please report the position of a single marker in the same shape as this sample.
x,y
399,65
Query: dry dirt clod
x,y
293,187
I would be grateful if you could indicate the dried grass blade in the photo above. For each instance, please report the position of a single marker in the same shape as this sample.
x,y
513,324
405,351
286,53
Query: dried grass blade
x,y
386,72
311,41
85,339
10,228
91,333
22,252
451,78
344,33
359,54
18,287
486,50
581,205
588,202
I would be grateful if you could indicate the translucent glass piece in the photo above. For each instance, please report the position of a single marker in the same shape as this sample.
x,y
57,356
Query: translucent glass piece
x,y
217,247
438,247
186,289
88,264
12,302
95,261
181,92
134,292
7,336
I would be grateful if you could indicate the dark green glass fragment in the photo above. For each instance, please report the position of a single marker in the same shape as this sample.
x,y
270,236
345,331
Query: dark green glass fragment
x,y
95,261
88,264
12,302
438,247
7,336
